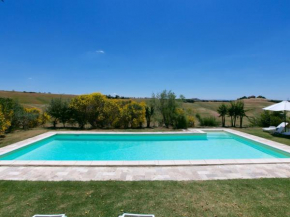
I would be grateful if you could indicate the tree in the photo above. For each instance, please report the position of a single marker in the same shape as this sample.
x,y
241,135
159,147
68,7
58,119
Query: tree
x,y
149,111
167,105
223,111
240,111
65,113
56,110
232,112
182,98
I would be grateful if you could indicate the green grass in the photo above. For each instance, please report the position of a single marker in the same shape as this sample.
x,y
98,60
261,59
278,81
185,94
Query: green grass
x,y
259,132
264,197
20,135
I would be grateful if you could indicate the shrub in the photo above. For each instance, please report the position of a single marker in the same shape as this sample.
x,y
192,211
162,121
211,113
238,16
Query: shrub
x,y
4,123
133,114
180,120
12,111
44,118
191,121
79,110
209,121
266,119
111,115
31,118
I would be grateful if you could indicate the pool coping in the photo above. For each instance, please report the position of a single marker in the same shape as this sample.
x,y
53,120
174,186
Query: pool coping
x,y
27,142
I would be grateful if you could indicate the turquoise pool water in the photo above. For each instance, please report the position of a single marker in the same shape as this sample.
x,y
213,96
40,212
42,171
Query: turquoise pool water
x,y
110,147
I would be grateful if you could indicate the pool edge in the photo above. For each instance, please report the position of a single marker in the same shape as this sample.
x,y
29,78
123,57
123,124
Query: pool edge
x,y
29,141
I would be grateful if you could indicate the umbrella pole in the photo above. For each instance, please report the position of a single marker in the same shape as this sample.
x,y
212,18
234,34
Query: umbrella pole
x,y
285,120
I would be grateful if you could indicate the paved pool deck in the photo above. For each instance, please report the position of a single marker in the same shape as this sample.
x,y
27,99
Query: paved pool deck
x,y
145,170
176,173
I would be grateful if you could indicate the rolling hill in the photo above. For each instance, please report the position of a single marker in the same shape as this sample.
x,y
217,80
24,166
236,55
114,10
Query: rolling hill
x,y
31,99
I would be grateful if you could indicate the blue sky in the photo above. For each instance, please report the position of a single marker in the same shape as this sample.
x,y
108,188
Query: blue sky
x,y
211,49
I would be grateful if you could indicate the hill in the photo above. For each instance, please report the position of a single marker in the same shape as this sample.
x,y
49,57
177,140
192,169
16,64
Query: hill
x,y
31,99
254,107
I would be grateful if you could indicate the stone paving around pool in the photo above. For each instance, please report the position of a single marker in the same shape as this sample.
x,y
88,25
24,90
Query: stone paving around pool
x,y
177,173
145,170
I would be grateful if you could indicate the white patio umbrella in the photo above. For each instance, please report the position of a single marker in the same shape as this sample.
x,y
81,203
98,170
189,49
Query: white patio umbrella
x,y
282,106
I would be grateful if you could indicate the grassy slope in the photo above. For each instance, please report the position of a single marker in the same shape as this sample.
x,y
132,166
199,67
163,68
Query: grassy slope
x,y
254,107
38,100
264,197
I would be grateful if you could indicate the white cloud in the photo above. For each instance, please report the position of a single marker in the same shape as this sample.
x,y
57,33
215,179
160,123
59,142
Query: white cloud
x,y
100,51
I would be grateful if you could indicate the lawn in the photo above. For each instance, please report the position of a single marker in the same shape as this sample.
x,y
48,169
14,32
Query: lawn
x,y
259,132
264,197
20,135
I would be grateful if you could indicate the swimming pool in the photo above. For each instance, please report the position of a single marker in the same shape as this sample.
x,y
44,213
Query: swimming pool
x,y
144,147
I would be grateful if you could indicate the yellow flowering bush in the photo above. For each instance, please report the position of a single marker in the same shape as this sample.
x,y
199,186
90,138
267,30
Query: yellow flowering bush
x,y
31,117
99,111
44,118
4,123
133,114
191,121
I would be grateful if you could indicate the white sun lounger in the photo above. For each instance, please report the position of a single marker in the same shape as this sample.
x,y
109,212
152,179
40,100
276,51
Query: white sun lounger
x,y
58,215
136,215
277,129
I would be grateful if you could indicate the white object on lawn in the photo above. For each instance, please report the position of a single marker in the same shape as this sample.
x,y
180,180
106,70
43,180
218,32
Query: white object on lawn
x,y
273,128
136,215
58,215
282,106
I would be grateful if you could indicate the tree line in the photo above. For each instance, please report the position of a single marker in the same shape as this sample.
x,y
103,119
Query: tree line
x,y
98,111
236,111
